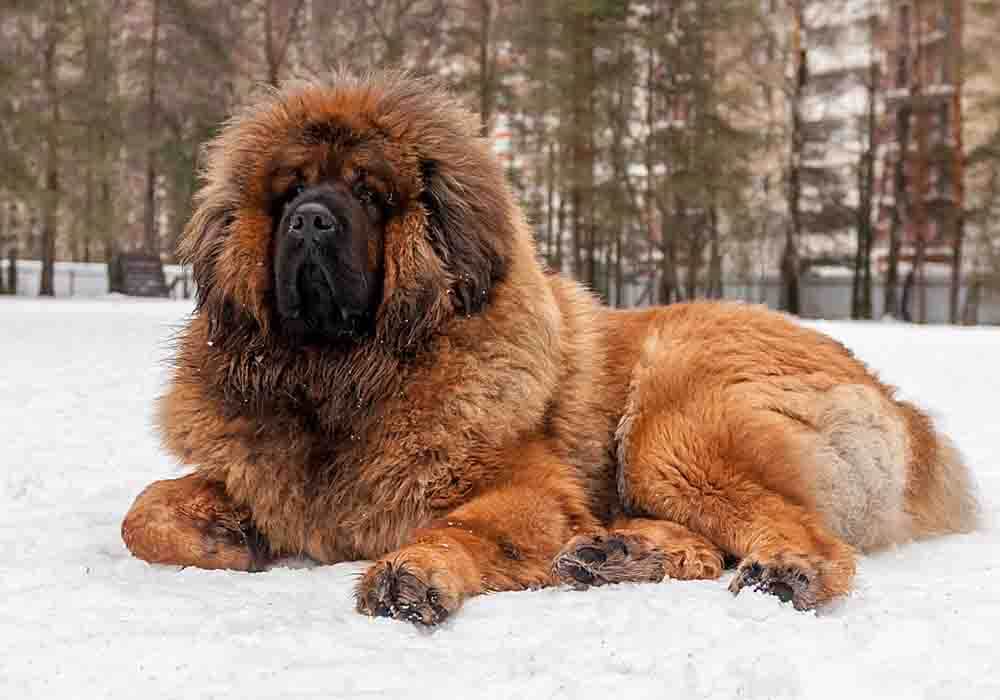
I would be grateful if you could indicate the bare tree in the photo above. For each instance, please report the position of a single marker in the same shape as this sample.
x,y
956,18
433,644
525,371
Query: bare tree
x,y
53,35
281,24
790,261
488,54
958,158
641,157
916,278
900,213
407,30
150,237
861,288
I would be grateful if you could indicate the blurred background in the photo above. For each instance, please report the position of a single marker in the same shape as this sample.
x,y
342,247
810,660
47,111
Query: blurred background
x,y
833,158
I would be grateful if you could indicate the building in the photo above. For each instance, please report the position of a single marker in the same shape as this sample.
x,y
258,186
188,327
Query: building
x,y
907,56
842,55
922,183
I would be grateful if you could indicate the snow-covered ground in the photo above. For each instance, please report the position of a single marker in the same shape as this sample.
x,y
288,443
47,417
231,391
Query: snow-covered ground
x,y
80,618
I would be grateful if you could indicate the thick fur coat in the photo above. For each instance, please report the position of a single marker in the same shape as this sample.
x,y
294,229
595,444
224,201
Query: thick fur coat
x,y
492,427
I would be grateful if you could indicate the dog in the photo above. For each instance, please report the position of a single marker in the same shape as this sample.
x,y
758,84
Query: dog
x,y
379,368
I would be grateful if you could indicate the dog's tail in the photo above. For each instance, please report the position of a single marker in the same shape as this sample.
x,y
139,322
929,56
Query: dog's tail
x,y
941,492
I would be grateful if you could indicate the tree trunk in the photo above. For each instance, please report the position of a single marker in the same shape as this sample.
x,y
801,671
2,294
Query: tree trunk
x,y
50,201
920,213
578,236
487,64
861,298
613,273
714,289
150,238
560,227
669,290
6,214
900,214
790,263
182,194
958,239
667,284
905,305
693,262
970,314
582,143
856,310
550,192
91,37
110,245
270,50
12,269
790,300
704,137
89,207
106,159
619,280
592,241
275,45
958,165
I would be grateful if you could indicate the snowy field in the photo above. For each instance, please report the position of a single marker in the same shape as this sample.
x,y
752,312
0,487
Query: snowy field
x,y
80,618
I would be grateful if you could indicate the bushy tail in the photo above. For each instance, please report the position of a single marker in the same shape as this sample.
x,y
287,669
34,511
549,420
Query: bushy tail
x,y
942,492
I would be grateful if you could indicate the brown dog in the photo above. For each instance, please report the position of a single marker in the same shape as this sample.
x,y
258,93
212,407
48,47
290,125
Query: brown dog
x,y
379,368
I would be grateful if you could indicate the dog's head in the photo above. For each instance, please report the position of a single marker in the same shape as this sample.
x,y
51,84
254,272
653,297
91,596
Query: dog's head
x,y
363,210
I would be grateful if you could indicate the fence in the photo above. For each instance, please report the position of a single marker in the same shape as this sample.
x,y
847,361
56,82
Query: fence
x,y
821,297
830,297
85,279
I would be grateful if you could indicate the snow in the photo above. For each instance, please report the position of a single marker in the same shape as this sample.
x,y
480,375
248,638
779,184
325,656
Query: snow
x,y
80,618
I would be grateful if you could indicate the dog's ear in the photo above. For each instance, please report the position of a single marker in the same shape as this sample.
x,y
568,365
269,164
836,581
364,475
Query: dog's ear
x,y
416,297
443,258
466,226
201,247
231,321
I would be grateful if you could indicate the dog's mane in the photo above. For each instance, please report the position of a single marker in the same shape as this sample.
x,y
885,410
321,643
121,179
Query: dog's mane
x,y
443,258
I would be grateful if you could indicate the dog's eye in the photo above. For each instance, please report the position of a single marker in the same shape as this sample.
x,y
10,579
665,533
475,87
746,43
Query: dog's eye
x,y
364,193
282,199
289,195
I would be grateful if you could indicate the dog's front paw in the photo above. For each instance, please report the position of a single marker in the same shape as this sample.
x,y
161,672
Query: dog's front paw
x,y
404,588
601,559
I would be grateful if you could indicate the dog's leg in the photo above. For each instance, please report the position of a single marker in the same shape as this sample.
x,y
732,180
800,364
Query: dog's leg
x,y
637,549
688,471
501,540
191,521
677,474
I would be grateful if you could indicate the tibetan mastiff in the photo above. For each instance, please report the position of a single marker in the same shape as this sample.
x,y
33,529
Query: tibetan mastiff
x,y
380,368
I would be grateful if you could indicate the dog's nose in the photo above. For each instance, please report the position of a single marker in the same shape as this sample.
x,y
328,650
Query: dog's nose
x,y
312,219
